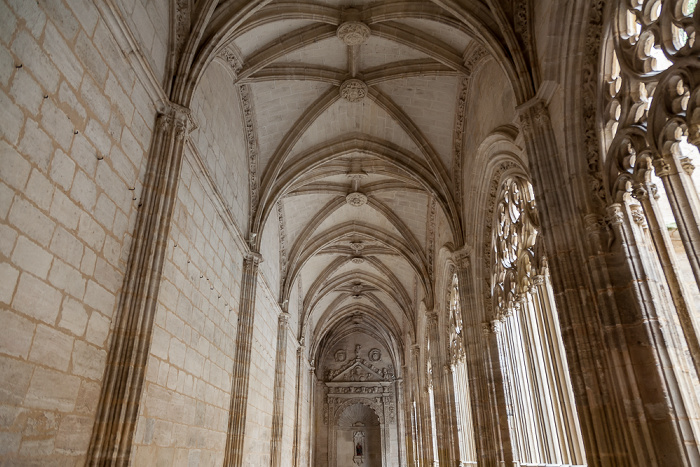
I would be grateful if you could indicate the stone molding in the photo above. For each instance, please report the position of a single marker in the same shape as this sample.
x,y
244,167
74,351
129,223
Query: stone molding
x,y
249,120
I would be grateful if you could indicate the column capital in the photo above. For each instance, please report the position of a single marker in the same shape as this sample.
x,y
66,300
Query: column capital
x,y
415,349
462,258
431,317
177,117
253,257
283,318
490,327
615,214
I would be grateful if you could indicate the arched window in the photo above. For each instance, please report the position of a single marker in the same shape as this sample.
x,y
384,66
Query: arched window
x,y
458,366
651,134
542,414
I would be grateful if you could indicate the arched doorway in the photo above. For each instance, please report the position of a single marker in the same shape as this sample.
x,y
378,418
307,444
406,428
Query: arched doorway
x,y
358,437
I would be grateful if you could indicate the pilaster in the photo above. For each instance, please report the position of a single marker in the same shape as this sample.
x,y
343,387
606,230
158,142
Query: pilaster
x,y
122,387
233,455
280,374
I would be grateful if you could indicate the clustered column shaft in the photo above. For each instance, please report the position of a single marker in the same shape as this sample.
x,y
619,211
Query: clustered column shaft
x,y
241,364
117,411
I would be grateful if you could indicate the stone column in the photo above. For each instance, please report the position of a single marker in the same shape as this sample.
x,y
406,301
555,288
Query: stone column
x,y
233,457
297,415
439,392
312,420
112,435
486,391
682,197
664,249
424,447
451,422
280,374
627,397
404,441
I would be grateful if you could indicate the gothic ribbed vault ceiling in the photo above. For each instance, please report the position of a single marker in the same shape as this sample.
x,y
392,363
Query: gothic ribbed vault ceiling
x,y
358,110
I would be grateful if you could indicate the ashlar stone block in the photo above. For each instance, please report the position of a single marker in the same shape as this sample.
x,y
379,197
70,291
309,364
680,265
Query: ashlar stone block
x,y
51,348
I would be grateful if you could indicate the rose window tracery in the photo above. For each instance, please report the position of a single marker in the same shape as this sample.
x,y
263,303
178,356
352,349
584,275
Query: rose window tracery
x,y
513,243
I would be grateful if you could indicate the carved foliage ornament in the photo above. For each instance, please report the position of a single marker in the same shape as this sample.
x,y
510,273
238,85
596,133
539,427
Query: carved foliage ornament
x,y
356,199
353,90
353,33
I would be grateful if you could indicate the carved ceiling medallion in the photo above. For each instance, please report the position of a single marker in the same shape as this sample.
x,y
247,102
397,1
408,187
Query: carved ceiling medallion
x,y
353,33
356,199
353,90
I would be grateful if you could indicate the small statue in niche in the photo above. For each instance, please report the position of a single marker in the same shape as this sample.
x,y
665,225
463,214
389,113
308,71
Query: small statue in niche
x,y
357,350
359,441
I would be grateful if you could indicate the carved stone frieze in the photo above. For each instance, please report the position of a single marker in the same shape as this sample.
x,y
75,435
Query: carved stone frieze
x,y
251,142
432,219
231,56
282,227
589,100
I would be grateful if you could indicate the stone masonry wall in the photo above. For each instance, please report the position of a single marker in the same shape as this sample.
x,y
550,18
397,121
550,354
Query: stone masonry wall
x,y
220,140
75,126
149,20
184,411
289,402
258,429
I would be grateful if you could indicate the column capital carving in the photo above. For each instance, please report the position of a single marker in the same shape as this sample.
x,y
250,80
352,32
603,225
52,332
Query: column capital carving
x,y
639,192
662,167
431,317
490,327
615,214
283,318
538,280
175,117
415,350
462,258
253,257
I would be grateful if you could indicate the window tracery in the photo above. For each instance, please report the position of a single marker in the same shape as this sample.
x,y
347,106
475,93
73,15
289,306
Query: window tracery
x,y
460,381
651,135
541,410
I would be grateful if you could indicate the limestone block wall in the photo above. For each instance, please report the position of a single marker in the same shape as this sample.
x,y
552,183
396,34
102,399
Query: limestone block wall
x,y
149,21
258,428
289,402
184,411
220,140
75,126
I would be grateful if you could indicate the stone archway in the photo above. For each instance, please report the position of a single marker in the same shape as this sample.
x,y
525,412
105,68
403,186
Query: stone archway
x,y
358,436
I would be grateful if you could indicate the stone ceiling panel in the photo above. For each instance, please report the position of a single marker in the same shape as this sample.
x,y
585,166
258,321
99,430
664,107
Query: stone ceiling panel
x,y
345,117
251,41
455,38
402,270
278,104
329,52
363,215
411,207
430,102
378,51
300,210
